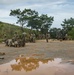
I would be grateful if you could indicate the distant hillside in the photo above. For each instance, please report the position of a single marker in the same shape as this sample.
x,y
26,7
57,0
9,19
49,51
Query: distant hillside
x,y
9,29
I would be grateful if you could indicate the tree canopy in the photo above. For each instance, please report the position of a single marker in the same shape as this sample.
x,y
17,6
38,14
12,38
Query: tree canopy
x,y
68,24
46,23
32,19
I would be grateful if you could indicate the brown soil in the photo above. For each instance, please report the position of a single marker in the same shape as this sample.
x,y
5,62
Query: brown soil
x,y
40,49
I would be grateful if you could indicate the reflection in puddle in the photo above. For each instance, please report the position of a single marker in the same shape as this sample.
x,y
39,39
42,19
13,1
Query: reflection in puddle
x,y
28,64
33,66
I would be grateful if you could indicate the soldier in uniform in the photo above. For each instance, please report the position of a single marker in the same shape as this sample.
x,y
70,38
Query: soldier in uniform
x,y
47,37
33,38
6,40
23,39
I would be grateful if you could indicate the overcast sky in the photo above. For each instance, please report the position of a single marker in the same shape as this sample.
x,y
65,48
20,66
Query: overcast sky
x,y
60,9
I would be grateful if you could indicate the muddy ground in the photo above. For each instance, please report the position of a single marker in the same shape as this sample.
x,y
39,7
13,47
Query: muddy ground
x,y
40,49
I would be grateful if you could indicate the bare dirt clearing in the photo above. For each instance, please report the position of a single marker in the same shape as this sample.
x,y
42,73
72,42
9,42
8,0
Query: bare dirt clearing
x,y
40,49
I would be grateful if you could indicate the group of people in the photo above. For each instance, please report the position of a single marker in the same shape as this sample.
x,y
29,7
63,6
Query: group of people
x,y
19,41
15,41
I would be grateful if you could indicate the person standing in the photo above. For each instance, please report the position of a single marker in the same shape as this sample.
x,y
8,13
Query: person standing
x,y
47,37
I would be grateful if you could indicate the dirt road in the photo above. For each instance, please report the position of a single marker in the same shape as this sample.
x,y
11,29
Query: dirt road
x,y
40,49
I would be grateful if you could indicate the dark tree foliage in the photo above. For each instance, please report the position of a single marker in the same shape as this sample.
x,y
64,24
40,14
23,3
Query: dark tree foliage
x,y
55,32
46,23
23,16
32,19
68,24
35,23
68,27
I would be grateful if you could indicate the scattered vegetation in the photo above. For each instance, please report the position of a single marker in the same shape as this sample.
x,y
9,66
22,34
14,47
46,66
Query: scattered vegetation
x,y
37,24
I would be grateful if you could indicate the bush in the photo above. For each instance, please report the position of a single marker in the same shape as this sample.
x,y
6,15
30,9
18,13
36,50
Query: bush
x,y
1,40
71,33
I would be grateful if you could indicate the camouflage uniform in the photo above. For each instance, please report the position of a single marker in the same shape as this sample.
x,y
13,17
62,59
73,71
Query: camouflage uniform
x,y
47,37
23,40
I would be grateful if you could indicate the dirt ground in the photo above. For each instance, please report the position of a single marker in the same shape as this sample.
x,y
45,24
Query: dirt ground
x,y
40,49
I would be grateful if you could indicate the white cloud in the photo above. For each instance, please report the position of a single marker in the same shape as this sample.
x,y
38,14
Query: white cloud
x,y
27,1
9,1
59,17
4,13
60,9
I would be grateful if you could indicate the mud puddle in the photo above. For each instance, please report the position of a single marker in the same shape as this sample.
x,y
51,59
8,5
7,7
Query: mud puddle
x,y
33,66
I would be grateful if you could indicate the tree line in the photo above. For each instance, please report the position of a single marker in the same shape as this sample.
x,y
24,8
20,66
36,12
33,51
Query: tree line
x,y
38,24
42,23
31,19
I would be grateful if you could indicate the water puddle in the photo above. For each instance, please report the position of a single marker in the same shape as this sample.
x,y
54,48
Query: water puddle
x,y
33,66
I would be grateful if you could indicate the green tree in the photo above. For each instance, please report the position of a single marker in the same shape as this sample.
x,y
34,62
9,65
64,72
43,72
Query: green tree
x,y
71,34
23,16
35,23
55,32
68,24
20,18
46,23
